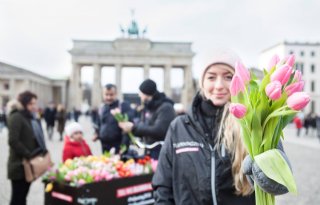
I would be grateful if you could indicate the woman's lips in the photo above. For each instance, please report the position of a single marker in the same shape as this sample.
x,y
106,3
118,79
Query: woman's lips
x,y
220,95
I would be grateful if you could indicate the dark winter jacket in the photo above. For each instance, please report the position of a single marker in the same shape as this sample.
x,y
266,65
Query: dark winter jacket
x,y
22,142
188,162
61,117
50,116
156,119
108,129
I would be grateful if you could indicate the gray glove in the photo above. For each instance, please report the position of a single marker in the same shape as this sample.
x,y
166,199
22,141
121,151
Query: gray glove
x,y
255,174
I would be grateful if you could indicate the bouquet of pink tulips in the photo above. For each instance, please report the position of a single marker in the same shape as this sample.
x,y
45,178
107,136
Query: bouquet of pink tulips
x,y
263,109
123,118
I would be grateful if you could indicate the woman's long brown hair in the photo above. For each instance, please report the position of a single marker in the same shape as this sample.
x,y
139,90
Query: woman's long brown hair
x,y
229,135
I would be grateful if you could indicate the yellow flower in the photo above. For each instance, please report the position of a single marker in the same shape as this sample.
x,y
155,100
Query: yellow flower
x,y
68,162
49,187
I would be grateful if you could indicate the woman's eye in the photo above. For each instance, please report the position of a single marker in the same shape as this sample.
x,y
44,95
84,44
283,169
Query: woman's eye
x,y
229,77
211,77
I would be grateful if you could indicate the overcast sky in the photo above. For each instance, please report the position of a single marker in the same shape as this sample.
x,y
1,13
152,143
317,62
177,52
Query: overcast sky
x,y
36,34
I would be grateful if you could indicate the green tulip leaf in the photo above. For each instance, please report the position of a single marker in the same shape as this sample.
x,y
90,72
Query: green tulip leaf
x,y
275,167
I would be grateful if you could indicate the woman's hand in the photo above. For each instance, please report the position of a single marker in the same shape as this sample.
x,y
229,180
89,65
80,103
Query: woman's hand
x,y
255,174
126,126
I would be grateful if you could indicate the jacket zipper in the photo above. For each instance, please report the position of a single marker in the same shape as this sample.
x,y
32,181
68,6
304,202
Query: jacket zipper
x,y
213,176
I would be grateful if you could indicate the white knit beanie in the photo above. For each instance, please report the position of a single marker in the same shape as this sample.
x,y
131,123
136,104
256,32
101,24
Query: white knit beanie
x,y
72,128
220,56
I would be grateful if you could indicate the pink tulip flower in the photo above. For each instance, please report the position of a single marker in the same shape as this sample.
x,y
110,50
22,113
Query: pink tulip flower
x,y
273,90
297,101
295,87
97,178
92,172
96,172
236,85
282,74
115,111
290,61
242,72
81,182
108,177
67,178
238,110
297,76
273,62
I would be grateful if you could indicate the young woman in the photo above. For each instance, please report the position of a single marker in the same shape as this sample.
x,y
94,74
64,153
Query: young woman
x,y
200,162
26,140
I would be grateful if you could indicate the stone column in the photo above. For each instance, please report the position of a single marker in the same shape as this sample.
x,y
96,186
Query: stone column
x,y
75,93
27,84
12,88
40,93
188,88
96,88
146,71
167,80
118,68
63,94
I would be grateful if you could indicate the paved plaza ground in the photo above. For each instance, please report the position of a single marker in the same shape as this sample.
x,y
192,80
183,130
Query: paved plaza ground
x,y
303,152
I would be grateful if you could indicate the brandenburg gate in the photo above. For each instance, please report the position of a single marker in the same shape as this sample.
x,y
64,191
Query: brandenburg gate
x,y
129,52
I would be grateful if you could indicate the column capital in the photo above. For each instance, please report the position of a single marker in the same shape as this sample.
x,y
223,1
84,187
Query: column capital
x,y
168,66
97,65
118,65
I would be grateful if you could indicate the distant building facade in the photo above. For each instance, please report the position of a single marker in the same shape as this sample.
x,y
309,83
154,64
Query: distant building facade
x,y
14,80
125,53
307,61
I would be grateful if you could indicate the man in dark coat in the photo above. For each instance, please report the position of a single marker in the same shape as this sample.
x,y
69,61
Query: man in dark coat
x,y
50,117
107,129
156,117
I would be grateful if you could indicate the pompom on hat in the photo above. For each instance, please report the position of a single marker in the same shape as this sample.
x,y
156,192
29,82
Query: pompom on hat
x,y
220,56
72,128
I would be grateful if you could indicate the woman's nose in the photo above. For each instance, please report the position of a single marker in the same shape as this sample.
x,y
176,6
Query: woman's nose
x,y
218,84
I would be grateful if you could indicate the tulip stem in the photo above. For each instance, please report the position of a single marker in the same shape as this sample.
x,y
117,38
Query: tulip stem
x,y
272,115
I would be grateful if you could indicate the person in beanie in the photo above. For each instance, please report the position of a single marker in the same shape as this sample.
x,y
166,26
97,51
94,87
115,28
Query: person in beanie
x,y
26,140
74,144
201,159
156,118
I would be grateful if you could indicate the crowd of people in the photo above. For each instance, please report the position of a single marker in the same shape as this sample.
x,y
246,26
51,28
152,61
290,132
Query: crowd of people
x,y
149,121
309,123
200,162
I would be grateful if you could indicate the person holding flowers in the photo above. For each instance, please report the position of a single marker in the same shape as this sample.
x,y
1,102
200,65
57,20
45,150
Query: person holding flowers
x,y
201,161
156,117
107,129
74,145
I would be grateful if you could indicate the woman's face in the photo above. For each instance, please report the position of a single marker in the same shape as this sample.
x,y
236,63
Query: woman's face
x,y
216,84
32,105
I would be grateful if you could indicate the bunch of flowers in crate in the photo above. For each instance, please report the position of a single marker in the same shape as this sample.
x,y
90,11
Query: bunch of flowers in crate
x,y
83,170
